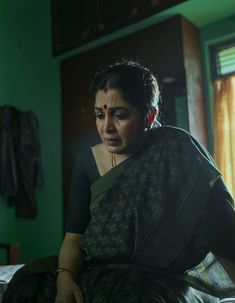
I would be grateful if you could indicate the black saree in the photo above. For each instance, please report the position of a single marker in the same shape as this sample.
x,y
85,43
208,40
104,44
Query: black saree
x,y
144,213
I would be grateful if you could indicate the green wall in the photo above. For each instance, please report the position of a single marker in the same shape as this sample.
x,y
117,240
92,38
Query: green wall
x,y
212,34
29,80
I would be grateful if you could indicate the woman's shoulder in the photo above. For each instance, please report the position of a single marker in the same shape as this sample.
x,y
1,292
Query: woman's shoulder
x,y
171,133
97,151
85,163
84,158
98,147
181,141
83,153
171,137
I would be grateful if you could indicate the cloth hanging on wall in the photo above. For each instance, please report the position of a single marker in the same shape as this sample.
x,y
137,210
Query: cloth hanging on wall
x,y
20,164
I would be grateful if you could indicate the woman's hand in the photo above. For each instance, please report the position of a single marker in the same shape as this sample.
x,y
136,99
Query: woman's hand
x,y
70,258
68,290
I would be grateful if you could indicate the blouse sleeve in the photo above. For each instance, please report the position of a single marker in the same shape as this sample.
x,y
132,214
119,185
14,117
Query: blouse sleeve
x,y
219,223
79,198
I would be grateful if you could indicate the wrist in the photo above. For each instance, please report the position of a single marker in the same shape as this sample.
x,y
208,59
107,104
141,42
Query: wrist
x,y
64,270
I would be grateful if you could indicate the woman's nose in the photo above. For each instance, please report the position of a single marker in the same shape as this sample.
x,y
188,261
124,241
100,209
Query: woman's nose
x,y
108,125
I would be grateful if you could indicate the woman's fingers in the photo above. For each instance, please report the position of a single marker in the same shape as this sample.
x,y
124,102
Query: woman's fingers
x,y
78,296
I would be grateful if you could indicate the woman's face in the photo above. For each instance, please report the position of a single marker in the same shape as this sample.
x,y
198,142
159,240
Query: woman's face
x,y
118,122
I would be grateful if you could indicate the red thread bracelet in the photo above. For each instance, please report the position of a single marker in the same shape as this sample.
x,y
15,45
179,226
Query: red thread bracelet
x,y
61,269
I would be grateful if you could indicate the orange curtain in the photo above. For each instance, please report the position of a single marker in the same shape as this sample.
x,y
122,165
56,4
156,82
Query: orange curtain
x,y
224,125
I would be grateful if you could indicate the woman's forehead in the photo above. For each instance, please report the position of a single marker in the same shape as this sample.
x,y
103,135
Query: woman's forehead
x,y
110,98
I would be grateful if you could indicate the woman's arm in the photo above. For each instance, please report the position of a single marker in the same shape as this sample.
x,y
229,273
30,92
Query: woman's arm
x,y
70,255
228,266
216,230
70,258
220,226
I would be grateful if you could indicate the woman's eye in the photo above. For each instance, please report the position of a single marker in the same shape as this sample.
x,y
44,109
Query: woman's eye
x,y
121,116
99,115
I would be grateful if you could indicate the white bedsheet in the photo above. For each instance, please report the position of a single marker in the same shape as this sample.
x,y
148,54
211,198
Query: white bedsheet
x,y
6,273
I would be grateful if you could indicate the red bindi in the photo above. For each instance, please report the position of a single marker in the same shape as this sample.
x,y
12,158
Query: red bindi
x,y
105,106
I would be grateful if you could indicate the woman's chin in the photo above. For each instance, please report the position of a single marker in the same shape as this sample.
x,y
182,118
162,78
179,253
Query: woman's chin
x,y
114,149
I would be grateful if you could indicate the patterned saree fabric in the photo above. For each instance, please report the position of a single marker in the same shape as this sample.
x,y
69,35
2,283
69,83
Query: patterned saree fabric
x,y
147,209
144,212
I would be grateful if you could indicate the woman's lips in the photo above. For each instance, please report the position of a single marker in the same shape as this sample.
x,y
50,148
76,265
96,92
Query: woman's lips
x,y
112,142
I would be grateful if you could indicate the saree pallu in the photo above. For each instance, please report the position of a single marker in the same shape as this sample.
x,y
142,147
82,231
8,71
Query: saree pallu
x,y
144,213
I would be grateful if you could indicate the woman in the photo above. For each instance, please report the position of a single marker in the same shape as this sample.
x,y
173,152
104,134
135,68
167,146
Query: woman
x,y
147,205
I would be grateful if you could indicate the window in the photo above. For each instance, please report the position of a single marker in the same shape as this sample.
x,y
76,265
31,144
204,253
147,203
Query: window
x,y
223,59
223,68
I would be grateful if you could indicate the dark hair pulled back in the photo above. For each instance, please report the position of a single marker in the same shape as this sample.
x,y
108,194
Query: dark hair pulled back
x,y
135,82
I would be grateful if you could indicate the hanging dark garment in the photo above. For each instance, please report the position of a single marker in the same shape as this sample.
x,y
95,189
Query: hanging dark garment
x,y
20,167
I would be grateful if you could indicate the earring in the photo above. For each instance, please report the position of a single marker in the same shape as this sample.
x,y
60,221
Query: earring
x,y
151,116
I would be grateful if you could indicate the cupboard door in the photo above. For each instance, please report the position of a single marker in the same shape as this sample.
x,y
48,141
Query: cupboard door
x,y
78,123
